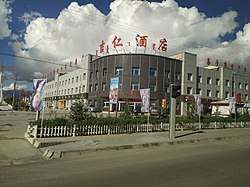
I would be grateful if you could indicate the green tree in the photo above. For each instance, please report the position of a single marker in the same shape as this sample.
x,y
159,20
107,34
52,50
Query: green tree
x,y
78,112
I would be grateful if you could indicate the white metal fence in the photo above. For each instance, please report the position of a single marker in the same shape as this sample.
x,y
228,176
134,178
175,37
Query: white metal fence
x,y
87,130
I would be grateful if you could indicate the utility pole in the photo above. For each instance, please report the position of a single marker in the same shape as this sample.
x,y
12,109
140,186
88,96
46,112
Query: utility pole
x,y
175,91
14,91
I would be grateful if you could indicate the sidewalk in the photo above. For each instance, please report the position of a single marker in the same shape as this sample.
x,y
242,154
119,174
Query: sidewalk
x,y
64,146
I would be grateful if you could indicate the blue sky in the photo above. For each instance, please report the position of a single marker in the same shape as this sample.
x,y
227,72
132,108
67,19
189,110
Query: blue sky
x,y
20,40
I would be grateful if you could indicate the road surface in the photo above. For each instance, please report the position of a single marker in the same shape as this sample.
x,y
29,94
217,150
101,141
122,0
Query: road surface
x,y
214,163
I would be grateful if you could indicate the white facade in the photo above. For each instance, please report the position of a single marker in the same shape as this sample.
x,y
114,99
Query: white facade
x,y
69,85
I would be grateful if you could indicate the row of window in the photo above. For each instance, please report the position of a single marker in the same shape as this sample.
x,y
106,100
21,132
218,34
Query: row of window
x,y
78,90
209,81
134,86
68,81
209,93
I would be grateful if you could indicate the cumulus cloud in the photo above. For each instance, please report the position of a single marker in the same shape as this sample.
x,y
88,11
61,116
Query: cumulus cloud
x,y
28,17
5,11
79,30
20,86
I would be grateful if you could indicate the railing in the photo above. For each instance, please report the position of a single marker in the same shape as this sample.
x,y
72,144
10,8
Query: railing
x,y
87,130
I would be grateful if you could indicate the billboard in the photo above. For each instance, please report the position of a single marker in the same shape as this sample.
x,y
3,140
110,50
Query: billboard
x,y
197,109
37,101
114,89
145,98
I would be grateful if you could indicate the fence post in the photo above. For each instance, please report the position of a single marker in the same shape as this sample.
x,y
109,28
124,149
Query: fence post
x,y
74,131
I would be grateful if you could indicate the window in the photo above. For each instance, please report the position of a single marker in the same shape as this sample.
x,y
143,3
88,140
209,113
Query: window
x,y
65,92
104,71
118,71
62,83
104,86
189,90
69,81
227,94
209,93
228,83
135,71
209,80
72,80
120,86
72,90
178,76
77,78
217,94
97,74
246,97
246,86
199,91
91,75
200,79
217,82
190,77
76,90
83,88
65,82
168,74
90,88
96,87
240,85
135,86
153,72
68,91
152,87
84,76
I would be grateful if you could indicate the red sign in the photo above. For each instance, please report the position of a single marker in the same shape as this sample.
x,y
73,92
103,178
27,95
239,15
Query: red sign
x,y
117,42
163,45
141,41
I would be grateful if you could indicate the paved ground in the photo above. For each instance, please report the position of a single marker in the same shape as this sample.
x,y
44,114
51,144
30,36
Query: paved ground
x,y
80,145
213,163
15,149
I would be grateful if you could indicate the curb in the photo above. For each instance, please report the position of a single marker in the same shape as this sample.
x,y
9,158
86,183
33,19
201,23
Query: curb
x,y
51,154
147,145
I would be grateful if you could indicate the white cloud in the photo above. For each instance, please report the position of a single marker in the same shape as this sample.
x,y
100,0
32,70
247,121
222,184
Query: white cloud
x,y
79,30
5,11
28,17
20,86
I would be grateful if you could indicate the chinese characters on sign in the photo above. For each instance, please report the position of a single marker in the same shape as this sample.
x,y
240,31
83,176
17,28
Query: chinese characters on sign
x,y
140,42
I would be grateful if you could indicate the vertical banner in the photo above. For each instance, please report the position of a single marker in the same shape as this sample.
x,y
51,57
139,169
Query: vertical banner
x,y
37,101
197,108
231,108
145,96
113,90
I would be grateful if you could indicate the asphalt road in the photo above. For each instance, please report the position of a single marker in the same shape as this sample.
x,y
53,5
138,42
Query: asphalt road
x,y
215,163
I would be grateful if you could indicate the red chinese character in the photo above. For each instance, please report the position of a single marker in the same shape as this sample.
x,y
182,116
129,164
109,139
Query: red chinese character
x,y
208,61
102,46
217,63
163,44
141,41
107,49
225,64
154,46
117,42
